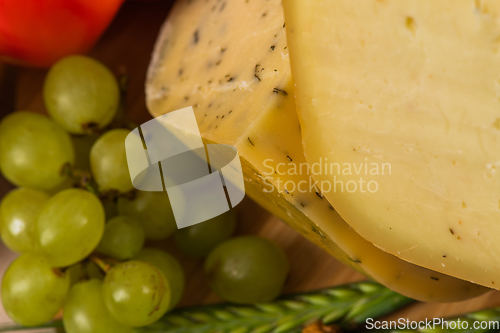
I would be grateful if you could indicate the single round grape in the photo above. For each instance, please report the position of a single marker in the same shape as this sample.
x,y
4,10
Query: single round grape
x,y
19,211
85,311
136,293
171,269
81,94
110,209
153,211
199,239
123,238
247,269
70,226
93,271
108,162
32,291
82,145
76,273
33,150
84,270
65,185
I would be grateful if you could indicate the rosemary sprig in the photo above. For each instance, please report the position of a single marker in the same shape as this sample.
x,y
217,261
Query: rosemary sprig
x,y
345,306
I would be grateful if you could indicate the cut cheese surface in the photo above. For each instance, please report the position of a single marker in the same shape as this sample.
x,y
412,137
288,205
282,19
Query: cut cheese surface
x,y
405,96
229,60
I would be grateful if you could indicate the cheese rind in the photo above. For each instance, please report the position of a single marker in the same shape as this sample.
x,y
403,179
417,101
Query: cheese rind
x,y
412,87
253,109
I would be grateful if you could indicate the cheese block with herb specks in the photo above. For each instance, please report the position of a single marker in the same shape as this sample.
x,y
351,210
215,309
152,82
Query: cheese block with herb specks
x,y
229,60
414,85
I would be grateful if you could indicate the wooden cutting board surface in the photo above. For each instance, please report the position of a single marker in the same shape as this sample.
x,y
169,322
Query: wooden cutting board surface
x,y
128,43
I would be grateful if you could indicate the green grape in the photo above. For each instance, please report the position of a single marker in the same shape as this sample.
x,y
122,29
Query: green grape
x,y
66,184
93,271
108,162
19,211
153,211
136,293
33,150
123,238
84,270
81,94
247,269
85,311
110,209
32,291
70,226
76,273
199,239
82,145
170,267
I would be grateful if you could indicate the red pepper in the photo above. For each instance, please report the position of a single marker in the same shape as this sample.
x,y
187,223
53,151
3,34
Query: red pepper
x,y
40,32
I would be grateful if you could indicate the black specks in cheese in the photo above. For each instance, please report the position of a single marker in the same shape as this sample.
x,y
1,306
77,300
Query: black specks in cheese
x,y
257,72
220,68
196,37
280,91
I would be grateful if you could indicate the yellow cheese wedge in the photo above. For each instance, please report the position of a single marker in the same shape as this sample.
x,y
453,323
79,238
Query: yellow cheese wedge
x,y
405,97
229,60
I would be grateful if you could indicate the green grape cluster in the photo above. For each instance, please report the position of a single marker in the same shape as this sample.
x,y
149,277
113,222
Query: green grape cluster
x,y
80,228
80,250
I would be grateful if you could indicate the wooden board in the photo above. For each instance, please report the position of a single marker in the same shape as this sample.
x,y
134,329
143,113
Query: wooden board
x,y
128,43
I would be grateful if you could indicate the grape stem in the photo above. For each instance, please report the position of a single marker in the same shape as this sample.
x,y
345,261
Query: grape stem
x,y
105,264
83,179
